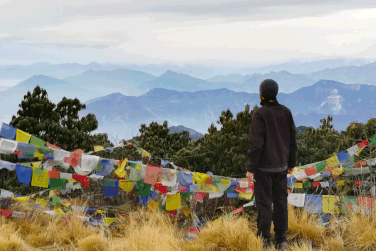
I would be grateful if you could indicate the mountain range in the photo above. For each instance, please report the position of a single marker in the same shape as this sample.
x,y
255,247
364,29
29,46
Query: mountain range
x,y
117,112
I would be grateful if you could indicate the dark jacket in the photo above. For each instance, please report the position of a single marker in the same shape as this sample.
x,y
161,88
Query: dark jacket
x,y
272,138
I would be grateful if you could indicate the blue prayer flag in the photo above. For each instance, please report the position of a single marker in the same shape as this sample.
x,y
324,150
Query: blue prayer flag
x,y
185,179
7,131
111,189
313,203
24,174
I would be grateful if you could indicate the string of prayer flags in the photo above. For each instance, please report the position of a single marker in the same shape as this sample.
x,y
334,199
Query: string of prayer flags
x,y
152,174
332,161
24,174
173,202
111,188
40,178
329,204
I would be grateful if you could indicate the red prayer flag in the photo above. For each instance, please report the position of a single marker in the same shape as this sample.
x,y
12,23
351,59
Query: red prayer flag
x,y
358,183
310,171
361,163
209,180
364,143
367,202
182,189
193,230
236,211
160,188
54,174
241,189
52,146
200,196
316,184
82,179
172,212
6,213
301,180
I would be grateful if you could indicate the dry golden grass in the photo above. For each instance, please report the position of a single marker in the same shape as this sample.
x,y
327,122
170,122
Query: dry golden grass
x,y
147,230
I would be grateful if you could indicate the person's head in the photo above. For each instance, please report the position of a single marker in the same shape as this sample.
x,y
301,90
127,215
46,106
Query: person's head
x,y
268,89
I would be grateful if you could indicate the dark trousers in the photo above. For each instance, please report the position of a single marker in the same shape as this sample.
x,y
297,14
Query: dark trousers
x,y
271,189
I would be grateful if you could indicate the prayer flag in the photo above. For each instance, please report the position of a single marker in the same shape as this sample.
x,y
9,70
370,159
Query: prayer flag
x,y
98,148
186,211
296,199
58,184
153,205
310,171
27,150
82,179
37,141
200,196
152,174
7,131
185,178
320,167
313,203
22,136
199,178
342,156
24,174
173,202
329,204
332,161
143,189
363,144
144,153
111,188
160,188
125,185
7,146
40,178
168,177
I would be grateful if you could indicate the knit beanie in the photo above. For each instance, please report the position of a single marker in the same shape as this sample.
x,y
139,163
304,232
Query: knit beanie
x,y
269,88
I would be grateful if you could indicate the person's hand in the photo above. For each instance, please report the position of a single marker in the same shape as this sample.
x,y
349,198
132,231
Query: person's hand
x,y
250,177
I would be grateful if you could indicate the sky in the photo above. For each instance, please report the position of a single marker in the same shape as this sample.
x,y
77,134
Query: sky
x,y
216,32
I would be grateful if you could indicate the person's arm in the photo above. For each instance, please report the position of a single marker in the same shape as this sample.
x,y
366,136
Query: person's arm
x,y
293,144
256,142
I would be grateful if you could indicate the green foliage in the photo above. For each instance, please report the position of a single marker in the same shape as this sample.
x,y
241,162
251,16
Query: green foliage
x,y
157,140
220,151
59,123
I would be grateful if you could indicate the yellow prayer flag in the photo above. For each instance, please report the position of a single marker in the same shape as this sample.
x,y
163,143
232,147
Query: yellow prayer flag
x,y
337,171
341,183
98,148
36,164
38,155
67,204
186,211
218,220
247,196
108,221
153,205
120,172
58,211
127,186
124,163
70,180
332,161
298,185
208,188
21,199
101,212
144,153
139,166
199,178
52,193
22,136
40,180
225,182
42,202
329,204
173,202
359,151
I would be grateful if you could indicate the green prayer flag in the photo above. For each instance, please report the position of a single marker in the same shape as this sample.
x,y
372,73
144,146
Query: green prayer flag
x,y
45,150
55,201
307,184
143,189
162,207
37,141
135,174
58,184
372,140
133,165
349,201
109,183
320,167
348,164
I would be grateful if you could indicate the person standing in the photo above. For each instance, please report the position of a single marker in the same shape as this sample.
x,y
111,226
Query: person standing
x,y
271,155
